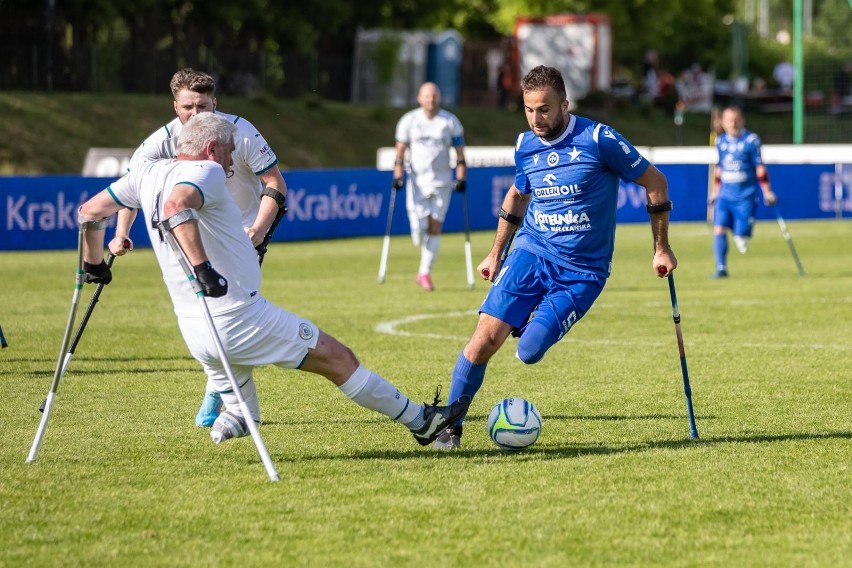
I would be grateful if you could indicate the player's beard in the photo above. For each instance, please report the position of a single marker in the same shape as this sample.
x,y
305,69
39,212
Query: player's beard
x,y
555,131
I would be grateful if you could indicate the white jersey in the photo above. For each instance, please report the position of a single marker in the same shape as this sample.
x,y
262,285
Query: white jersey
x,y
228,247
252,157
429,141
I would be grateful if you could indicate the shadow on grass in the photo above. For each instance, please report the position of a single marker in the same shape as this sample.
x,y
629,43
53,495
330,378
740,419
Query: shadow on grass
x,y
82,366
575,451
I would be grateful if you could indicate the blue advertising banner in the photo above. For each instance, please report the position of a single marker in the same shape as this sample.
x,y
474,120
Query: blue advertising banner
x,y
40,212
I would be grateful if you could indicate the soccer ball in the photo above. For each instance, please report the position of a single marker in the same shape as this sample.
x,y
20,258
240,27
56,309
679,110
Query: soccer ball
x,y
514,424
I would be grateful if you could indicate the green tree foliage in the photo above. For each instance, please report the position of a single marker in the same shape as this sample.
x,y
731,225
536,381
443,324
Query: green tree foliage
x,y
136,45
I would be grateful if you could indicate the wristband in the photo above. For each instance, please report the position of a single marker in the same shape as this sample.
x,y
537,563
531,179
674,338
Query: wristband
x,y
461,163
659,207
513,219
280,198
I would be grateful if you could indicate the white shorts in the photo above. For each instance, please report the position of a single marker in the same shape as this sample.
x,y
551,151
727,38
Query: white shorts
x,y
259,334
422,204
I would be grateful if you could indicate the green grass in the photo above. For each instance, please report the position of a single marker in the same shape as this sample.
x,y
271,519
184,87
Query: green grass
x,y
50,133
124,478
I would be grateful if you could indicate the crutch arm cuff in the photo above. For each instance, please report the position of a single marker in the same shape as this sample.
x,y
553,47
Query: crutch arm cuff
x,y
179,218
87,223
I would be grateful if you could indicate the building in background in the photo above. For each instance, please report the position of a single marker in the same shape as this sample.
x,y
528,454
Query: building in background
x,y
390,65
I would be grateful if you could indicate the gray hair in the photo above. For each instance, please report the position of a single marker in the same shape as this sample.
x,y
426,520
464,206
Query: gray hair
x,y
203,128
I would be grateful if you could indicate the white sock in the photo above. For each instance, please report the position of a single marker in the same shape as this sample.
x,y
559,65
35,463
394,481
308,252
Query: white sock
x,y
428,252
369,390
249,391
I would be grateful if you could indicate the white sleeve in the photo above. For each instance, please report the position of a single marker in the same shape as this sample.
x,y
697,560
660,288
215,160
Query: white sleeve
x,y
256,151
159,145
124,193
402,129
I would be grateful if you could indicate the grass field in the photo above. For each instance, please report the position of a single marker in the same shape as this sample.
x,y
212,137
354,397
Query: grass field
x,y
124,478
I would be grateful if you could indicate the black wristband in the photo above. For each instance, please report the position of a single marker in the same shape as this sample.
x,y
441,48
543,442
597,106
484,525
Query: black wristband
x,y
280,198
659,207
513,219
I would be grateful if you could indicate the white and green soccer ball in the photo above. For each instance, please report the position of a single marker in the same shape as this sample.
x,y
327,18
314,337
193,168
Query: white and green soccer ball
x,y
514,424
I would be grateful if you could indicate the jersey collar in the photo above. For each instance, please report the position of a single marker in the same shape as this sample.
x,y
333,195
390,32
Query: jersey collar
x,y
572,122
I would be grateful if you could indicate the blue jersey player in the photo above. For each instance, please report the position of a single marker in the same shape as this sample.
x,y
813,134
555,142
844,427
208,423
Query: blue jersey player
x,y
739,173
563,205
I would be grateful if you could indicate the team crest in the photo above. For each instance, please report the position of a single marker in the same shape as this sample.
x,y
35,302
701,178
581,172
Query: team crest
x,y
552,159
305,331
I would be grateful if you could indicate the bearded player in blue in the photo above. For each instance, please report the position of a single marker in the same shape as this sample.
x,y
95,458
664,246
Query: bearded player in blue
x,y
563,206
740,171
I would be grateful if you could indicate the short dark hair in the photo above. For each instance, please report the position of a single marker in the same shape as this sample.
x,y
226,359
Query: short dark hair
x,y
193,80
542,77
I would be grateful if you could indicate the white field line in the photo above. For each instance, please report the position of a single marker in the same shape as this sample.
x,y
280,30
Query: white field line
x,y
394,327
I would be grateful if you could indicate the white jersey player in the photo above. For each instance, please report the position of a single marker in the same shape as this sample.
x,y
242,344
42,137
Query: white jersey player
x,y
189,195
428,133
253,174
253,158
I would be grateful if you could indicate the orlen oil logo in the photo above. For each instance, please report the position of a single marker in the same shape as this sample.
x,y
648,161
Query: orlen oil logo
x,y
554,189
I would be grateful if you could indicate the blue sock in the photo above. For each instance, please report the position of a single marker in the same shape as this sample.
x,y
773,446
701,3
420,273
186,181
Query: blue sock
x,y
467,378
720,249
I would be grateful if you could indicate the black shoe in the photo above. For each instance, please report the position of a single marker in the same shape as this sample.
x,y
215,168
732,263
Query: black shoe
x,y
449,439
438,418
721,273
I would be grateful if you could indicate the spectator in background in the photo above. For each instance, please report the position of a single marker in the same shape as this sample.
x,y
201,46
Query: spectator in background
x,y
649,73
784,75
504,86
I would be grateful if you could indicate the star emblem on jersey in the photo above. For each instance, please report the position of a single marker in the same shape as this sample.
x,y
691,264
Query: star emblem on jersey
x,y
574,153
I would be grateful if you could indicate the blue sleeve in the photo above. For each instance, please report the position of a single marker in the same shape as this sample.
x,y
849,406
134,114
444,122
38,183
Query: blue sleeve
x,y
522,181
620,156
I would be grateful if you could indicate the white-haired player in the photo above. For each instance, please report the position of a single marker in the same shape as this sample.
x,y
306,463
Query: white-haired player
x,y
189,194
253,176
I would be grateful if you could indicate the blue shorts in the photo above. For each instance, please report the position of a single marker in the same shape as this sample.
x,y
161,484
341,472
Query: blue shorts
x,y
735,215
531,288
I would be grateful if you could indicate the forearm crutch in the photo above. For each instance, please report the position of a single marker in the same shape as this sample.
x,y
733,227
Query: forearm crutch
x,y
383,263
789,240
95,297
467,255
255,433
687,389
57,373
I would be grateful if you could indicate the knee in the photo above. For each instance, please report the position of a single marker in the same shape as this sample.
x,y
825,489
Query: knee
x,y
534,343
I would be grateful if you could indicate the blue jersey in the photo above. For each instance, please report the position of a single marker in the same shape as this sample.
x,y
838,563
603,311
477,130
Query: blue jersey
x,y
574,185
738,159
